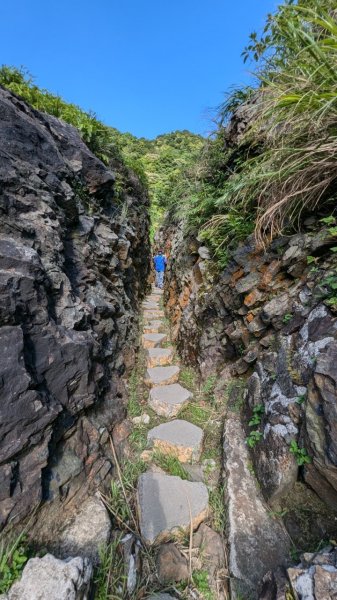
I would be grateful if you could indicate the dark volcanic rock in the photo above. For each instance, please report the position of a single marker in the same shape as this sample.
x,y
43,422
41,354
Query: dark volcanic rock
x,y
72,270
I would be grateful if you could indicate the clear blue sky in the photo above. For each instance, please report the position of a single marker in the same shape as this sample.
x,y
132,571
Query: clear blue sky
x,y
144,66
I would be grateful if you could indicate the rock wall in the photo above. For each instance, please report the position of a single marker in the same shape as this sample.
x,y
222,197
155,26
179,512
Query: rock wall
x,y
74,262
269,320
268,315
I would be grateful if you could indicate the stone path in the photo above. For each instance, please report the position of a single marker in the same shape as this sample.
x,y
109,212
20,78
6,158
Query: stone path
x,y
167,504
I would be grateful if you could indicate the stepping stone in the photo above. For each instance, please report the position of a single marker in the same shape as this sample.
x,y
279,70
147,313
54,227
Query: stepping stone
x,y
161,375
154,327
168,400
168,504
159,357
178,437
154,298
150,305
153,314
153,340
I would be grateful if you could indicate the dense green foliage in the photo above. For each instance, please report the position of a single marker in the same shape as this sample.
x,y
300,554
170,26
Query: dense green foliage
x,y
167,162
284,161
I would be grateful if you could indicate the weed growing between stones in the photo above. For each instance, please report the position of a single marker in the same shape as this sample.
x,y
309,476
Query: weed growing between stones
x,y
13,557
170,464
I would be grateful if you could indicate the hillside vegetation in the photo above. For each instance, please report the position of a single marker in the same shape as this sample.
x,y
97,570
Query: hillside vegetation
x,y
272,159
159,163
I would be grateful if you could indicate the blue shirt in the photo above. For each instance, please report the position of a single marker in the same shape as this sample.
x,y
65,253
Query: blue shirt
x,y
159,263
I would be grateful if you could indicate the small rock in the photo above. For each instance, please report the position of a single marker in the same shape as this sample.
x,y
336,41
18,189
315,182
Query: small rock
x,y
245,284
50,578
212,547
291,253
171,564
162,375
141,420
168,400
204,253
159,357
165,503
195,472
178,437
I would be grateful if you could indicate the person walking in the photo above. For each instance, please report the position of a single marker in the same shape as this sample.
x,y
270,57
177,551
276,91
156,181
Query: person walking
x,y
159,261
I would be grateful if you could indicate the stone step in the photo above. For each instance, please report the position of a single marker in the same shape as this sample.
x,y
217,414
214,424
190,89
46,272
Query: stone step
x,y
154,327
153,298
178,437
153,340
159,357
162,375
150,305
168,400
168,505
149,315
156,290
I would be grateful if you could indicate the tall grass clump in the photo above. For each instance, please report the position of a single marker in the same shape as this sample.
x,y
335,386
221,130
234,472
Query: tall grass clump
x,y
273,157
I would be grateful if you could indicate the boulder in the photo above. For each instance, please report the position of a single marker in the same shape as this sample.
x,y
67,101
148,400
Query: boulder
x,y
50,578
88,532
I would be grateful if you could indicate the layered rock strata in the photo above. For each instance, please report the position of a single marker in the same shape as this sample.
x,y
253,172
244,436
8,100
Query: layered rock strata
x,y
73,267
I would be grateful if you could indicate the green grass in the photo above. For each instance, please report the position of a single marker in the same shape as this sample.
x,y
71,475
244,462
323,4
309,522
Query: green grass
x,y
169,463
138,438
218,511
13,557
199,415
188,378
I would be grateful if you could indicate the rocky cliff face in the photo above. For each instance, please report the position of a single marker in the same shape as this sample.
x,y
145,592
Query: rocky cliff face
x,y
268,320
74,262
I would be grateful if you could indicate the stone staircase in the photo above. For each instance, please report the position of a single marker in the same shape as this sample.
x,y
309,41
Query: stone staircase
x,y
167,504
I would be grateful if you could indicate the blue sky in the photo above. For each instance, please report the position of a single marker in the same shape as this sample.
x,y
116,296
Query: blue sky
x,y
144,66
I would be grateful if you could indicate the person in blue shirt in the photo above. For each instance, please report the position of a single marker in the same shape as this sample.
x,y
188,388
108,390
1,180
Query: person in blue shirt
x,y
159,261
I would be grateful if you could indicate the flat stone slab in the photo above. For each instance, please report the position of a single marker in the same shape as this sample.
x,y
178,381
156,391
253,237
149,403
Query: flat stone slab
x,y
150,305
154,327
162,375
168,400
159,357
153,340
168,504
257,542
178,437
150,314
